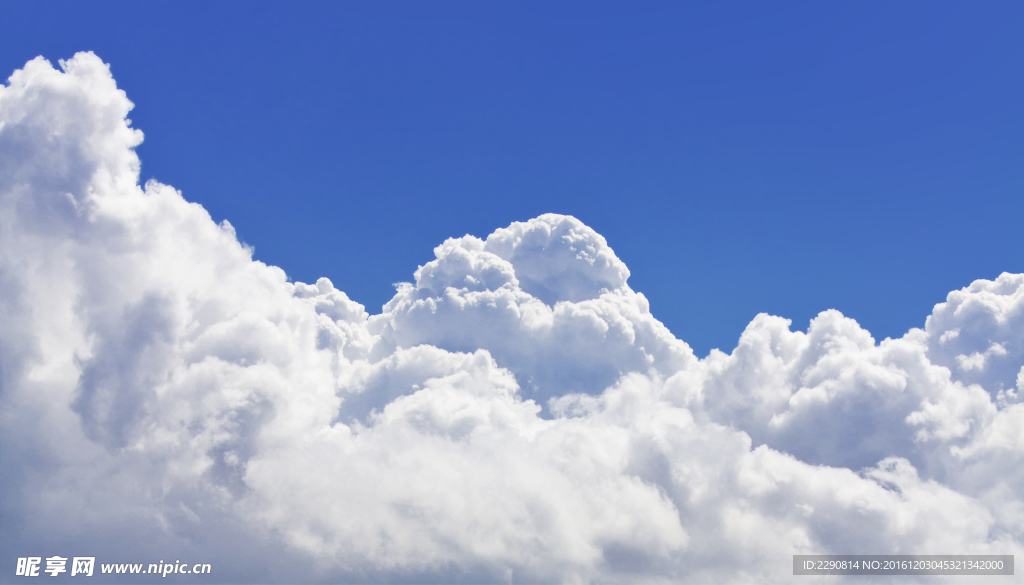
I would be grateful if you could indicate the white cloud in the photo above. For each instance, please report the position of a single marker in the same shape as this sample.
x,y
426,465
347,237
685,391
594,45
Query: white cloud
x,y
516,413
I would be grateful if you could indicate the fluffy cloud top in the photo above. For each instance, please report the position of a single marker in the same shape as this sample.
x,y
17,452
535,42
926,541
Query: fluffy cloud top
x,y
514,414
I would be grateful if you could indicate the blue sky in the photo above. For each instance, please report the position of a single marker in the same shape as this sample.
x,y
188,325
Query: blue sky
x,y
739,157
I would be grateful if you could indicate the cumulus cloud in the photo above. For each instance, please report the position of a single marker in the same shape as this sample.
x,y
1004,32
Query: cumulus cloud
x,y
516,413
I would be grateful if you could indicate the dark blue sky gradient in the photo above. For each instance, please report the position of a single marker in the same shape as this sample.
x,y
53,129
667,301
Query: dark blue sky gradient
x,y
739,157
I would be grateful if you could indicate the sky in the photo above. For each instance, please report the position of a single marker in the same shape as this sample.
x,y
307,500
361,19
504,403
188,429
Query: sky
x,y
323,293
739,157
